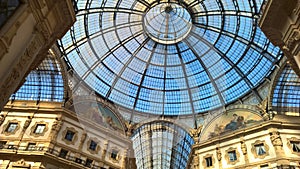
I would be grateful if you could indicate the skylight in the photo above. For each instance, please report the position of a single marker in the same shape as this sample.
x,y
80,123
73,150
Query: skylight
x,y
169,57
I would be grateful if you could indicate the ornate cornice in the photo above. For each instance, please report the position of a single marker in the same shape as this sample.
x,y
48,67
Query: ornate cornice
x,y
52,18
281,23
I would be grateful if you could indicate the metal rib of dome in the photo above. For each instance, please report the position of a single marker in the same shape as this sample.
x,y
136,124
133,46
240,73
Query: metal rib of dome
x,y
220,59
161,144
45,83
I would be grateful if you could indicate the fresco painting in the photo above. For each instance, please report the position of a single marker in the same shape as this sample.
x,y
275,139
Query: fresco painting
x,y
98,114
229,122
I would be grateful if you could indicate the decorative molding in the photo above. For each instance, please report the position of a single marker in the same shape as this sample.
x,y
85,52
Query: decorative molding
x,y
82,140
75,136
7,124
52,19
104,151
292,41
96,151
195,133
244,148
32,133
253,149
3,48
26,124
129,128
204,161
290,146
20,69
56,126
21,164
117,160
195,163
219,154
2,119
264,108
227,156
276,139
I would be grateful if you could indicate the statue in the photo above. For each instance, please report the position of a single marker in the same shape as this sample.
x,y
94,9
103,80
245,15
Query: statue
x,y
196,162
219,154
2,118
55,128
26,124
130,128
276,139
196,133
83,137
243,147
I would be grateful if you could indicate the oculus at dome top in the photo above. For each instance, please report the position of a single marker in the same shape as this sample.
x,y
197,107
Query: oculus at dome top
x,y
170,57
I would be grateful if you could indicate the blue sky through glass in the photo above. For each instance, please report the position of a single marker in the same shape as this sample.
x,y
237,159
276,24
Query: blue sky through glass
x,y
223,57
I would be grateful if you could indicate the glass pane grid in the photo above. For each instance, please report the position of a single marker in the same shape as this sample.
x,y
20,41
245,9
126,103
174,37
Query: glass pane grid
x,y
111,48
45,83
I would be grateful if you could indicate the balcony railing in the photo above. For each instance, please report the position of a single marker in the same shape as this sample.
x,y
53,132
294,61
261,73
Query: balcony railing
x,y
45,150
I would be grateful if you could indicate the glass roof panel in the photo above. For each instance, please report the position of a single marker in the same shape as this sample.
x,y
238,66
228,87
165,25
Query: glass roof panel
x,y
286,96
169,57
161,144
45,83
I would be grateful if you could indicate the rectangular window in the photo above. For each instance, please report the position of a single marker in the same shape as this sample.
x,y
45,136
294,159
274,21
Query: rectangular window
x,y
69,135
2,144
31,147
265,166
10,146
63,153
78,160
114,154
232,156
260,149
208,161
39,129
11,127
88,162
295,146
93,145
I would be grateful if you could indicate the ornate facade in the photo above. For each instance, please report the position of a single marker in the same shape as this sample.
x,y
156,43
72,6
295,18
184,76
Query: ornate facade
x,y
49,136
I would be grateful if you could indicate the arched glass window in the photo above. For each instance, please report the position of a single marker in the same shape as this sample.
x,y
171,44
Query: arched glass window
x,y
161,144
286,97
45,83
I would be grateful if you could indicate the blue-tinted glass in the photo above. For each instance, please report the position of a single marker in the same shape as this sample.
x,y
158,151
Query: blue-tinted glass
x,y
286,96
154,60
45,83
161,144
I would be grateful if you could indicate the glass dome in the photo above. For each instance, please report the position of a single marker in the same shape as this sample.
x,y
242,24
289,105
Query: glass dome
x,y
169,57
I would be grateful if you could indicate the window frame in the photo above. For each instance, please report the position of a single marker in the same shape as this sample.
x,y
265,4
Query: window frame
x,y
61,155
69,135
254,149
204,162
88,162
2,144
29,148
74,138
227,156
290,145
7,125
97,147
34,127
117,154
